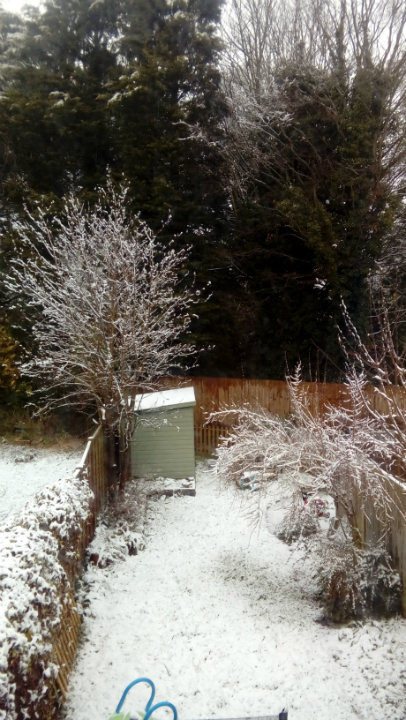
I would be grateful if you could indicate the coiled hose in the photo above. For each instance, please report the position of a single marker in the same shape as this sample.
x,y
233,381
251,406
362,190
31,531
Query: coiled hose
x,y
149,708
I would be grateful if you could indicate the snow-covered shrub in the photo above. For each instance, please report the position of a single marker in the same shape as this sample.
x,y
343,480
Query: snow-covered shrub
x,y
39,553
62,509
119,529
356,582
353,453
298,523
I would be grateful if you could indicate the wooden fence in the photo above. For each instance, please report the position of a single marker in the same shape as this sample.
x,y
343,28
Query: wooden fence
x,y
207,438
92,469
370,528
65,645
213,394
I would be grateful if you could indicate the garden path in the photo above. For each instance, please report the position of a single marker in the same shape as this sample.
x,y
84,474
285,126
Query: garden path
x,y
224,621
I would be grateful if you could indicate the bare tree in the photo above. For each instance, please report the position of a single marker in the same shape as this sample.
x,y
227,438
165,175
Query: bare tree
x,y
110,312
270,43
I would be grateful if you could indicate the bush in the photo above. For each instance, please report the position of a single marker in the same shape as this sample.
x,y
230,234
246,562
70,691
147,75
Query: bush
x,y
356,582
40,552
299,522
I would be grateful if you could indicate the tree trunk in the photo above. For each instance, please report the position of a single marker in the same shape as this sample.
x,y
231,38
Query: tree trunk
x,y
125,466
125,459
111,464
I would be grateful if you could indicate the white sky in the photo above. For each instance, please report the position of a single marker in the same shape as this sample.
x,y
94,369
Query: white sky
x,y
16,5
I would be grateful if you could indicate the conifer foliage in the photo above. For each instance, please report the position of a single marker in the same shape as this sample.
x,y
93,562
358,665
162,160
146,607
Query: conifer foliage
x,y
314,148
276,152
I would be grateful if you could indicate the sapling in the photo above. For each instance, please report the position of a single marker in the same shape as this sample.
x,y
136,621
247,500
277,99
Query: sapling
x,y
110,313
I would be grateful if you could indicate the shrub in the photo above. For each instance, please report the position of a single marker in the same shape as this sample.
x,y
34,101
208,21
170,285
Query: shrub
x,y
298,523
356,582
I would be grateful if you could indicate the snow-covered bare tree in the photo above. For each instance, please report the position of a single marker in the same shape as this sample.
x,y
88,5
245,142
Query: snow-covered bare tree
x,y
110,312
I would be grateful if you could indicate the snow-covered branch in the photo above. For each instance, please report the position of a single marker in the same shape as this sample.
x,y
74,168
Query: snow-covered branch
x,y
353,452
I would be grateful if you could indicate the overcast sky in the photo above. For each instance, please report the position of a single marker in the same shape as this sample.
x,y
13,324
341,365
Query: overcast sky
x,y
16,5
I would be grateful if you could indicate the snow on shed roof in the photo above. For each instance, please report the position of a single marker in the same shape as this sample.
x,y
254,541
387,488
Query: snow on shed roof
x,y
179,397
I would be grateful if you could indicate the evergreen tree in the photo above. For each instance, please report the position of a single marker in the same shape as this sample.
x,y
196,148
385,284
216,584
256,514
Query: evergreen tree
x,y
171,82
313,147
57,128
113,86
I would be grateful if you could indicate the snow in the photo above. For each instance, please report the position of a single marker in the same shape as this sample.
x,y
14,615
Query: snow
x,y
161,485
178,397
24,471
223,619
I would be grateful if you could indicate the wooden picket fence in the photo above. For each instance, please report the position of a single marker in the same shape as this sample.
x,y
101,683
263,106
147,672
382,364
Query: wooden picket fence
x,y
92,468
208,437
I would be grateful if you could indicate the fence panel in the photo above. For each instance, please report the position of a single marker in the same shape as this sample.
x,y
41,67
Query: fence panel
x,y
370,528
207,437
92,469
214,394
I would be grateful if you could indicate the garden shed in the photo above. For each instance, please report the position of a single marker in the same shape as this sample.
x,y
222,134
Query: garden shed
x,y
163,441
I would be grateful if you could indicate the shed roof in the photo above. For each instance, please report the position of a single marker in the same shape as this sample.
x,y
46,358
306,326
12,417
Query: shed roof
x,y
179,397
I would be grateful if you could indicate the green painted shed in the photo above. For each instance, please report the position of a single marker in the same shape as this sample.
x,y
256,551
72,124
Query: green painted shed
x,y
163,442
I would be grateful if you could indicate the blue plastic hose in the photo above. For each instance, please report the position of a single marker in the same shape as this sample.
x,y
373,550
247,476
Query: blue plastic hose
x,y
149,708
162,704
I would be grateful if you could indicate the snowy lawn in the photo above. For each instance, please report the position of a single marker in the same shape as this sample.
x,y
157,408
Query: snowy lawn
x,y
225,624
25,470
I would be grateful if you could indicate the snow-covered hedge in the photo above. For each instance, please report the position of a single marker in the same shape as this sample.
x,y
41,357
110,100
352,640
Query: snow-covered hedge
x,y
40,555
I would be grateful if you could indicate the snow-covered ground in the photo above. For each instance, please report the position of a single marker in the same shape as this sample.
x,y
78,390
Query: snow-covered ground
x,y
24,471
224,622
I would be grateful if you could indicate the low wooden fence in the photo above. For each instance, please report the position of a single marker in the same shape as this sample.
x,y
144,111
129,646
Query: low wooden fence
x,y
207,438
92,469
65,646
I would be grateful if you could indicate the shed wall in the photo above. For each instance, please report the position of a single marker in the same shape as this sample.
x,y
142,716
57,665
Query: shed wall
x,y
167,449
